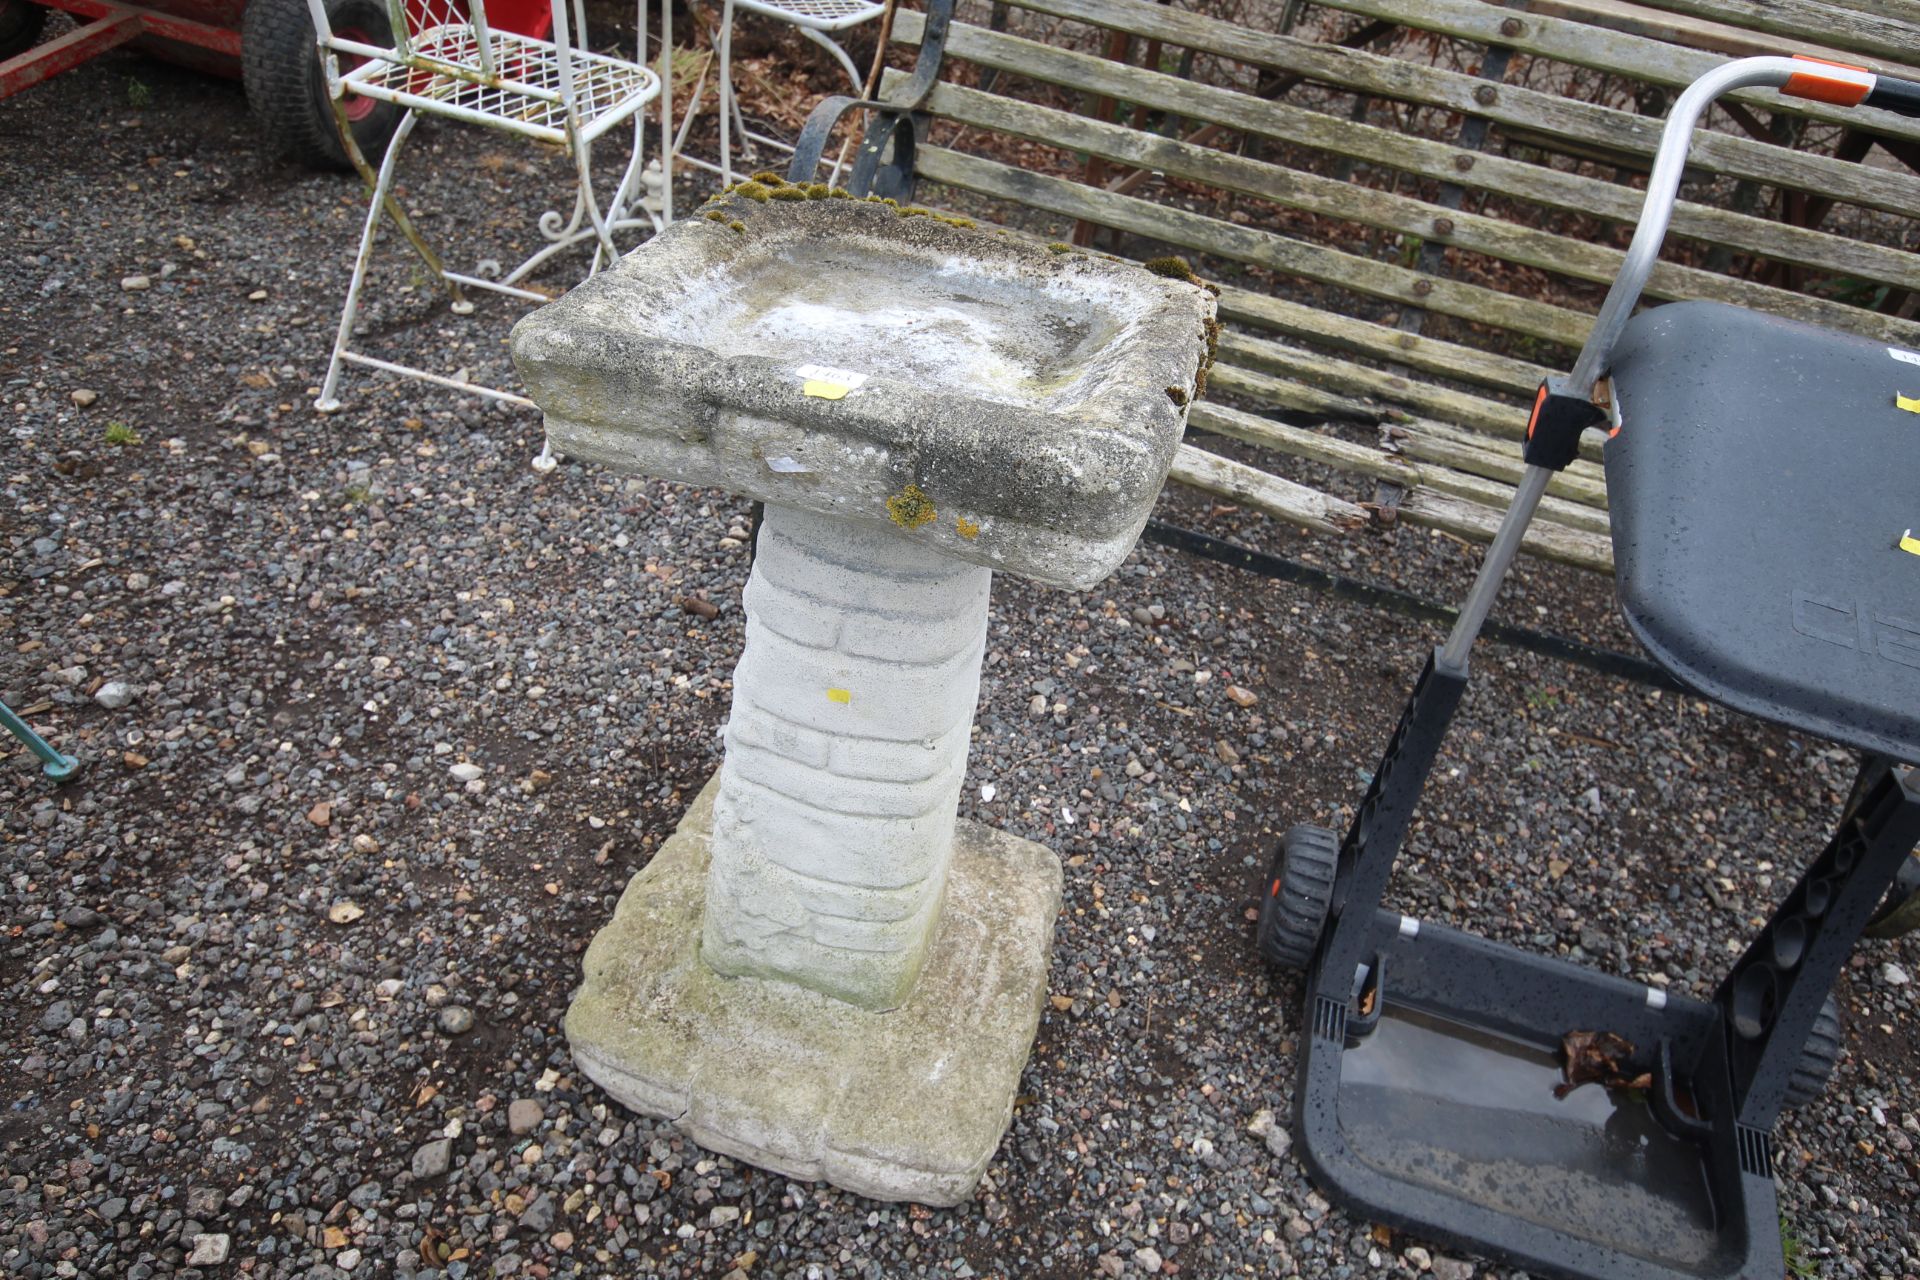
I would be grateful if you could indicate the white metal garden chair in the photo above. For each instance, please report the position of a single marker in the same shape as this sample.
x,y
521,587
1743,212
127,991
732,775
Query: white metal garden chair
x,y
446,59
815,20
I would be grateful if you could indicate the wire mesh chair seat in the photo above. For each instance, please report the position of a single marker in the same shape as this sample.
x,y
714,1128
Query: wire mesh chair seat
x,y
814,19
446,59
525,94
820,15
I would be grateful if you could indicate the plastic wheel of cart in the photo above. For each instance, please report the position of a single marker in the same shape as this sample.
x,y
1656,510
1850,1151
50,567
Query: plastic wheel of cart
x,y
1818,1057
1297,895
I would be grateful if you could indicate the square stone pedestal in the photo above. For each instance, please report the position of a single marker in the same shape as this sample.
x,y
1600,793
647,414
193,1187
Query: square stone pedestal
x,y
909,1104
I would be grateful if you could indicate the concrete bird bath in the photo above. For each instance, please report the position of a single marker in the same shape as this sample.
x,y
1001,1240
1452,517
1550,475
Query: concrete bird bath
x,y
823,972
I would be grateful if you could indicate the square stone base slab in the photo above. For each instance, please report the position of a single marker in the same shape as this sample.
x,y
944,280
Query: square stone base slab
x,y
904,1105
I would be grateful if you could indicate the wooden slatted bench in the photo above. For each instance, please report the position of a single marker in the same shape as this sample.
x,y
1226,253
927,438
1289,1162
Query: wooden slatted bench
x,y
1393,294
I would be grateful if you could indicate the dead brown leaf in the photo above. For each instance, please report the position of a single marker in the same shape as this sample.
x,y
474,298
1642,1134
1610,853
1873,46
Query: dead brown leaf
x,y
1598,1057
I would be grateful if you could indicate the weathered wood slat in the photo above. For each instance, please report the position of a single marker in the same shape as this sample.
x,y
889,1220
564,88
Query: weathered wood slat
x,y
1282,499
1473,514
1592,443
1380,341
1405,469
1588,465
1483,459
1422,157
1905,10
1887,34
1290,394
1431,160
1298,442
1462,517
1638,58
1491,493
1350,202
1512,106
1477,523
1252,245
1390,389
1701,33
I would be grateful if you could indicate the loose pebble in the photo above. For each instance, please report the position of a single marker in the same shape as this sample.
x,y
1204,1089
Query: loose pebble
x,y
524,1116
115,694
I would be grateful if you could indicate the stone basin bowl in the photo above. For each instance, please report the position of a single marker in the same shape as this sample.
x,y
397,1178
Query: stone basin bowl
x,y
1014,406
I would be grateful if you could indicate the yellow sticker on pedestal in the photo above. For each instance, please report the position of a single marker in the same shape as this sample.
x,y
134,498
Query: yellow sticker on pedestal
x,y
1908,403
841,696
1909,543
825,383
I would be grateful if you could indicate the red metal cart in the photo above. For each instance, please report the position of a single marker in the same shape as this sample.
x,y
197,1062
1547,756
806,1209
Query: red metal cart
x,y
268,43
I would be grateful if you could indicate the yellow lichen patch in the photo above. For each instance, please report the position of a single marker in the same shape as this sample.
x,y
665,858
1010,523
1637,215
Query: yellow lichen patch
x,y
786,193
910,508
753,191
737,226
818,191
770,178
966,528
1178,396
714,215
1060,246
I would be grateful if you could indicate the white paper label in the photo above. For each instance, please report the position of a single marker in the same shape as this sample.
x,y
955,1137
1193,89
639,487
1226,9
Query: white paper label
x,y
851,380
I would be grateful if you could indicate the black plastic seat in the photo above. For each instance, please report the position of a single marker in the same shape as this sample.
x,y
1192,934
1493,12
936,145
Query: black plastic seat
x,y
1759,486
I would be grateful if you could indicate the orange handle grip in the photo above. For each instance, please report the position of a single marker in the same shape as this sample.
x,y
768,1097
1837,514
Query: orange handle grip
x,y
1840,83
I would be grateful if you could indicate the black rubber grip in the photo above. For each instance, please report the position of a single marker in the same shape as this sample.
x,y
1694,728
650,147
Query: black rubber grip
x,y
1889,94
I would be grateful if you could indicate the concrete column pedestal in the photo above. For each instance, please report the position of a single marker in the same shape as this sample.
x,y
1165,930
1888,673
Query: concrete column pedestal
x,y
847,743
824,972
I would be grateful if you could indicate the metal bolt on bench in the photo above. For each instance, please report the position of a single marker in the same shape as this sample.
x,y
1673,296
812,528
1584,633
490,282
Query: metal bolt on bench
x,y
1760,474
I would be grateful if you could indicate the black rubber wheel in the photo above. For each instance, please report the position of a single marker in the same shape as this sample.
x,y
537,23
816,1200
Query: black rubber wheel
x,y
1298,895
1818,1058
287,87
20,26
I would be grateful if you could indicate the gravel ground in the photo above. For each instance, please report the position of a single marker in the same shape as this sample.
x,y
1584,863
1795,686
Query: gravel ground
x,y
393,720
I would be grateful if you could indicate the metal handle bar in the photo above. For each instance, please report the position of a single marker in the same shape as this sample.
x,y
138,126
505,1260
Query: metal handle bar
x,y
1663,186
1800,77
